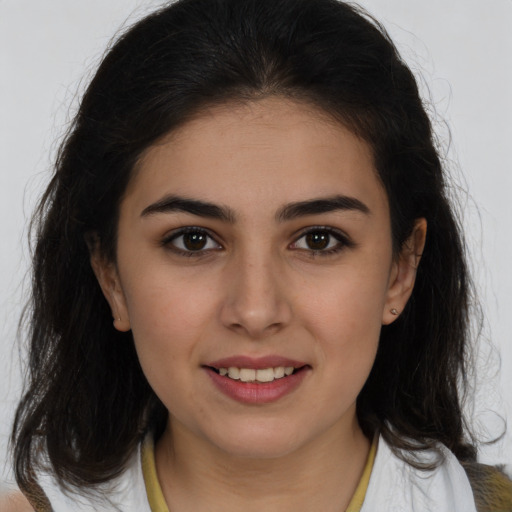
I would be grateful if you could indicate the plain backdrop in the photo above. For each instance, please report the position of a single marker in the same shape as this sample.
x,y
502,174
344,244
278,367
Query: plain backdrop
x,y
461,51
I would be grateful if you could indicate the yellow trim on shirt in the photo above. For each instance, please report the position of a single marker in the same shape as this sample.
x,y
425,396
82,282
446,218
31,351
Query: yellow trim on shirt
x,y
154,493
156,498
356,503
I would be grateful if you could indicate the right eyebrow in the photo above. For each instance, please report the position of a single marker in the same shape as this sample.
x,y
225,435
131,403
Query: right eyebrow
x,y
321,205
171,203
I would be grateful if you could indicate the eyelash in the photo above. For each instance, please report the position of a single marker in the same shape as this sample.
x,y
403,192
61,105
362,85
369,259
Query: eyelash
x,y
168,242
342,241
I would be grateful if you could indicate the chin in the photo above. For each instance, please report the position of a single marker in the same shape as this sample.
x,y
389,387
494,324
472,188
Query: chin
x,y
259,441
264,447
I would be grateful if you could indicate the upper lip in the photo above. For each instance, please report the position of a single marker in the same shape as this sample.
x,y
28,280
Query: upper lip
x,y
255,363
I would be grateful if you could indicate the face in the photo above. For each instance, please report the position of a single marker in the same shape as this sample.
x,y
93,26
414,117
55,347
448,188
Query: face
x,y
255,270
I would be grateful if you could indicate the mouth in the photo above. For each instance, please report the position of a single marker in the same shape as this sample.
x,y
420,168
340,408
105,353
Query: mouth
x,y
260,375
257,381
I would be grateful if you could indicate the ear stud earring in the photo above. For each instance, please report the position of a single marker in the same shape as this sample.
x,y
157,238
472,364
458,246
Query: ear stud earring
x,y
394,311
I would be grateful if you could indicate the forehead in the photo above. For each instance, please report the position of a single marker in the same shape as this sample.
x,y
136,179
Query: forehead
x,y
261,153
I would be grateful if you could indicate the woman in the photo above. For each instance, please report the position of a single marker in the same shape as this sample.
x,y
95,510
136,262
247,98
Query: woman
x,y
251,192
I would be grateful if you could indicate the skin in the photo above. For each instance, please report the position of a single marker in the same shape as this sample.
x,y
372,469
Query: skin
x,y
258,289
14,501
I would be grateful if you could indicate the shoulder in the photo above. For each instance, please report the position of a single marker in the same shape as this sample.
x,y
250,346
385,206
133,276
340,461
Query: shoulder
x,y
14,501
126,492
492,488
396,485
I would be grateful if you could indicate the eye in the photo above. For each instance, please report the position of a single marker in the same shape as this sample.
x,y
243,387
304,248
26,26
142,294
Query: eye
x,y
321,240
191,240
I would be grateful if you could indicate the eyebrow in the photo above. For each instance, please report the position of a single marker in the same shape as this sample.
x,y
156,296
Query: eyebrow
x,y
170,204
322,205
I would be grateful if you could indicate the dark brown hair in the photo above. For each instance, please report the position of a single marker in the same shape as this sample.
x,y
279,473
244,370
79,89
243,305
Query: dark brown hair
x,y
87,402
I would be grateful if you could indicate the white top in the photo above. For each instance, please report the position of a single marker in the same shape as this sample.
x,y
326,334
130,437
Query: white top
x,y
394,486
127,493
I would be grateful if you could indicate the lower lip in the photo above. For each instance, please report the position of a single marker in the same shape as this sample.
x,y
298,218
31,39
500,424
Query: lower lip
x,y
257,393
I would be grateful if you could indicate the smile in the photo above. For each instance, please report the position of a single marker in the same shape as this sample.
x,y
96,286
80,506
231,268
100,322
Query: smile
x,y
253,375
257,381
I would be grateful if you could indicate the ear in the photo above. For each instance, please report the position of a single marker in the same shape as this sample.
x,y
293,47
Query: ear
x,y
108,278
403,273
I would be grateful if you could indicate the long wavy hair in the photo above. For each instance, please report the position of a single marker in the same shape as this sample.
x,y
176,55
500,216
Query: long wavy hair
x,y
87,402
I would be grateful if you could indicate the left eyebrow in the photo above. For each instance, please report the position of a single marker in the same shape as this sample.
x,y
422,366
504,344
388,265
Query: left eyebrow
x,y
170,204
318,206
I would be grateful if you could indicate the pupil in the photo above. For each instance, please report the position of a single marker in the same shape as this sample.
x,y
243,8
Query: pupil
x,y
194,241
317,241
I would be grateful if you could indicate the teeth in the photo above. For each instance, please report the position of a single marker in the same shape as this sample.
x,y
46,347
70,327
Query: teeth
x,y
247,375
266,375
279,372
251,375
233,373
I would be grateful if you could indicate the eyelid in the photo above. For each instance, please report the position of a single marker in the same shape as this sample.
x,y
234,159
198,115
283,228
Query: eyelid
x,y
344,240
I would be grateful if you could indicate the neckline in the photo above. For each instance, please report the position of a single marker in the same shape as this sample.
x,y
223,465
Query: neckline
x,y
156,498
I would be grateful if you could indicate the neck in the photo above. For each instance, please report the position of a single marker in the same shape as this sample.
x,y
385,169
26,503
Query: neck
x,y
323,475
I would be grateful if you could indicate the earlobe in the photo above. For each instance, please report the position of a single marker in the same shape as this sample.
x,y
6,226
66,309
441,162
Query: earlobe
x,y
403,273
108,279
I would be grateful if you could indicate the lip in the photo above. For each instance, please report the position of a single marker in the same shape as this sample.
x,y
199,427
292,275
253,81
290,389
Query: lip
x,y
256,363
257,393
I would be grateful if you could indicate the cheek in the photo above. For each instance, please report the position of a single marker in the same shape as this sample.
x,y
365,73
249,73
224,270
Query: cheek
x,y
167,325
164,299
348,333
347,307
345,318
169,316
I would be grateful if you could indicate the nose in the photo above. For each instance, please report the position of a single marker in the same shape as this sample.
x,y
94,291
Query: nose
x,y
256,303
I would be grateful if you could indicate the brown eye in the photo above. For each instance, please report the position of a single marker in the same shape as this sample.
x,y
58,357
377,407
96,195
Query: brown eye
x,y
322,241
191,240
194,241
318,240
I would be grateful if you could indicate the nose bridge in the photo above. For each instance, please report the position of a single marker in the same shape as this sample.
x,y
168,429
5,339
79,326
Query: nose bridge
x,y
256,301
